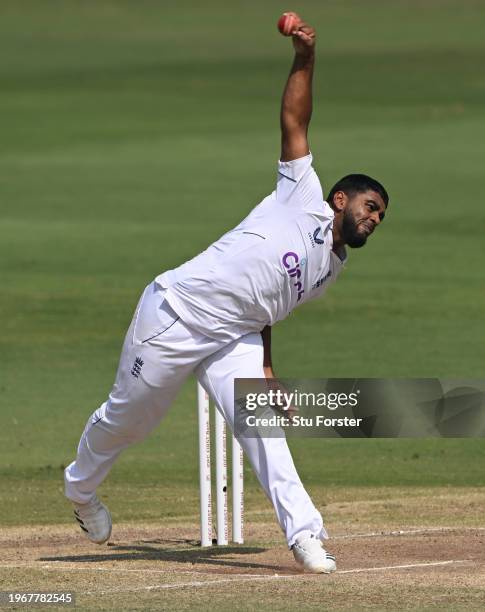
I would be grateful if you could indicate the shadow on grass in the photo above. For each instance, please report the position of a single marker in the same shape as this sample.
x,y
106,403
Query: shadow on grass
x,y
215,556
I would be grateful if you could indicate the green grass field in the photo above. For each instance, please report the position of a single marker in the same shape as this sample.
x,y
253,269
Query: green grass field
x,y
135,133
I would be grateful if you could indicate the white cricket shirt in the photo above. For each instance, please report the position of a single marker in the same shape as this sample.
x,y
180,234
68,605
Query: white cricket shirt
x,y
278,257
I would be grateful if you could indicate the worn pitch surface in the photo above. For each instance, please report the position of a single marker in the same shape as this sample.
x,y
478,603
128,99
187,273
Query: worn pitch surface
x,y
162,567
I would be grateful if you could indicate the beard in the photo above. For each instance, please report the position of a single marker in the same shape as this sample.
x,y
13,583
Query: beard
x,y
350,231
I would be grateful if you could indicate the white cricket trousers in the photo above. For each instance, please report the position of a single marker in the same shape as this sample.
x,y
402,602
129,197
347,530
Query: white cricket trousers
x,y
158,354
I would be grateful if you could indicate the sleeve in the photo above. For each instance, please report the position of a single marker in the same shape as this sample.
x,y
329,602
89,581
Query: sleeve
x,y
297,183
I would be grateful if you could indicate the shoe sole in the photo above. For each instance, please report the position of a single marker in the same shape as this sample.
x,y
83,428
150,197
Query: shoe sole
x,y
318,569
321,570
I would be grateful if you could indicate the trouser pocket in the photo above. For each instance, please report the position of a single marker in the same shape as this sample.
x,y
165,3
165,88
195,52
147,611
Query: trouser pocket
x,y
154,315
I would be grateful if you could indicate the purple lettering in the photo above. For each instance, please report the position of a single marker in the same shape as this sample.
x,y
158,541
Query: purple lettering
x,y
294,271
287,256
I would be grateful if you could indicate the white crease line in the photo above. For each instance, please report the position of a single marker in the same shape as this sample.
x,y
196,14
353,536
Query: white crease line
x,y
410,565
401,532
258,577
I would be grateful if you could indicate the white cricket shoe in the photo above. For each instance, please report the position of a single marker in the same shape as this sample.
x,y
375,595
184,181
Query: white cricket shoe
x,y
94,519
310,554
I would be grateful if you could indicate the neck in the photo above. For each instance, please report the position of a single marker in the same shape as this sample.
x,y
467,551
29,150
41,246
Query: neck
x,y
338,241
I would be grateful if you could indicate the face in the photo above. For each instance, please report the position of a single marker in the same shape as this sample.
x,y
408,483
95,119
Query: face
x,y
362,214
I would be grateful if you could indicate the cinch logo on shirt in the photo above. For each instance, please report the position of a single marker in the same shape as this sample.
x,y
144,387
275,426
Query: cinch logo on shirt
x,y
291,262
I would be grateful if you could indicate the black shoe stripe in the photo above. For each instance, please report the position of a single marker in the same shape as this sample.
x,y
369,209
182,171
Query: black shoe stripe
x,y
79,520
83,528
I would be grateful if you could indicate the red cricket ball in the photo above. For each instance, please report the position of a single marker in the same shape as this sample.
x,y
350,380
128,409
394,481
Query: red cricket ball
x,y
288,23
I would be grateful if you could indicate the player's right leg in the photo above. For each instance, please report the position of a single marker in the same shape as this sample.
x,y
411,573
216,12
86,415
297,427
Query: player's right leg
x,y
270,457
158,354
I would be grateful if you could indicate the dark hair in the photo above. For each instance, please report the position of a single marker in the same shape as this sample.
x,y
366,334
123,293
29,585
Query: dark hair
x,y
358,183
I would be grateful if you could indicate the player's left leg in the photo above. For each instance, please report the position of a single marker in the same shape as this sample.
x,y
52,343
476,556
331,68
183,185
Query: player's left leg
x,y
158,354
269,457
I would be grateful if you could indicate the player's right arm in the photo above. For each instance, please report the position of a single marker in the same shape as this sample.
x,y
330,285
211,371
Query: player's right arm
x,y
267,360
296,105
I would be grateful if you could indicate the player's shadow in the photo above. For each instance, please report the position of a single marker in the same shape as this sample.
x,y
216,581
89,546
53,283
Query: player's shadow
x,y
214,556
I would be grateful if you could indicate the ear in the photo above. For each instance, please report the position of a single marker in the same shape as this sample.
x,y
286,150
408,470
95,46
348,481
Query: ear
x,y
340,200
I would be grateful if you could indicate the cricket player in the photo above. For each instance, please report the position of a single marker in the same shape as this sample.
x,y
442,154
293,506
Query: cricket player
x,y
212,316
